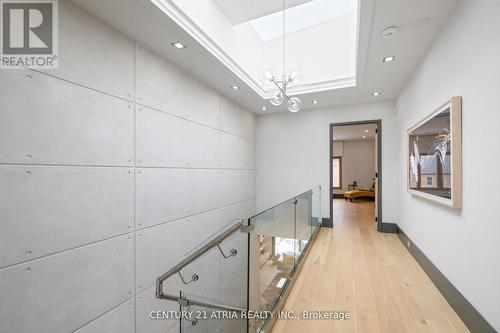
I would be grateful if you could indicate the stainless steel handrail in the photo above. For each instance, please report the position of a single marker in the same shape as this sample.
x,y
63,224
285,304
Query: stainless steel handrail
x,y
241,225
188,302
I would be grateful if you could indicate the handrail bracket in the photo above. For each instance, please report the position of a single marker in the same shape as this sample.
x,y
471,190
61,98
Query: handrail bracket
x,y
232,252
247,228
183,302
194,277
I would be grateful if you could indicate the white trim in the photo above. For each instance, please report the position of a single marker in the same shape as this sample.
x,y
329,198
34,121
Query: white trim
x,y
181,19
322,86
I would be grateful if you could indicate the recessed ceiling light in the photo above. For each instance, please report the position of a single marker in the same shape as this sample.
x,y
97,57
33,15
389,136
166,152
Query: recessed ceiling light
x,y
178,45
364,136
390,32
389,59
376,93
366,131
235,87
315,102
263,108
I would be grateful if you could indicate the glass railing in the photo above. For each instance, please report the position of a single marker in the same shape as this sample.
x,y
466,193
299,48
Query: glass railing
x,y
212,317
279,241
246,267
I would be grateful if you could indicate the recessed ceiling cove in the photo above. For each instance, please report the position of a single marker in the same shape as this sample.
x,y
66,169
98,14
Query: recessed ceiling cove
x,y
321,38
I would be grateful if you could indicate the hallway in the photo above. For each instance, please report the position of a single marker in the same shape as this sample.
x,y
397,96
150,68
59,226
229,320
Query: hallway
x,y
354,268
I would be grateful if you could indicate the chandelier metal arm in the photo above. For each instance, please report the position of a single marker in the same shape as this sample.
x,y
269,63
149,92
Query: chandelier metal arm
x,y
285,84
277,85
283,90
294,103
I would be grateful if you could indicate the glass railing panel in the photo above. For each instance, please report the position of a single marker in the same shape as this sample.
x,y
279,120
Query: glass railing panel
x,y
244,265
277,221
303,222
272,255
217,278
316,218
215,316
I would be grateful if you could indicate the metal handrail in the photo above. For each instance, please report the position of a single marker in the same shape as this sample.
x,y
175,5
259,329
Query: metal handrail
x,y
243,226
240,226
183,301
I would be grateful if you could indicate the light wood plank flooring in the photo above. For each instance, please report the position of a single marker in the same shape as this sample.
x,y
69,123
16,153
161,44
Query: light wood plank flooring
x,y
354,268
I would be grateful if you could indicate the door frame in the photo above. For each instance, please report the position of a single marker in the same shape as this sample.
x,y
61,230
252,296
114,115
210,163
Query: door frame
x,y
381,226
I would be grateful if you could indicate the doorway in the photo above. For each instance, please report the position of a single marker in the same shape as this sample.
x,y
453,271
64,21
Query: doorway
x,y
367,184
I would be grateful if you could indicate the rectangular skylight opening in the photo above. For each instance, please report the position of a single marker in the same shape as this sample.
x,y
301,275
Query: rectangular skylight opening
x,y
302,16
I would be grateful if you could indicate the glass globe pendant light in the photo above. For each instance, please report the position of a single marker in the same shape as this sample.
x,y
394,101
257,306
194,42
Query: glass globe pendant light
x,y
294,104
281,83
295,77
278,99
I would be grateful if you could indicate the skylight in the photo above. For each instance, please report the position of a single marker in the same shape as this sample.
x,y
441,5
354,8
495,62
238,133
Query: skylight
x,y
302,16
321,42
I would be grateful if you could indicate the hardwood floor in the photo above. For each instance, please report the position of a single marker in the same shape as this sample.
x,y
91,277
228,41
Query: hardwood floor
x,y
354,268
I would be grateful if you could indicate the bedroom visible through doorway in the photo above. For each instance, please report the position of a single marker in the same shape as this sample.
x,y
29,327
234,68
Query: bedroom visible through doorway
x,y
354,169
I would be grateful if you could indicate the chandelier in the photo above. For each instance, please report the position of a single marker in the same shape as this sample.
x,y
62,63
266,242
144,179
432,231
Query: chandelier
x,y
282,82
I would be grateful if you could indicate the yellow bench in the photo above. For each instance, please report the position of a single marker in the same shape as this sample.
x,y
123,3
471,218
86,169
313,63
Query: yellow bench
x,y
349,195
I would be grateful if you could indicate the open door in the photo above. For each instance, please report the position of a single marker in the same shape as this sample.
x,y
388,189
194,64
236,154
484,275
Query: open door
x,y
369,178
376,174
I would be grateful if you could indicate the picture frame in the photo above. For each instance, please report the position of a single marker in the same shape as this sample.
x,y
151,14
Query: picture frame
x,y
434,156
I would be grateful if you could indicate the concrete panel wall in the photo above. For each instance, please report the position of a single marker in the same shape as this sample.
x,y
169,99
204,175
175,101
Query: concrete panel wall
x,y
113,168
49,121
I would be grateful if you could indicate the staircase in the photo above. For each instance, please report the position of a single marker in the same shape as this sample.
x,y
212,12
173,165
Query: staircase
x,y
237,278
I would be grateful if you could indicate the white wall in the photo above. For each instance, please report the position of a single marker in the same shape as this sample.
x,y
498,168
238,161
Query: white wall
x,y
293,153
112,168
358,163
463,243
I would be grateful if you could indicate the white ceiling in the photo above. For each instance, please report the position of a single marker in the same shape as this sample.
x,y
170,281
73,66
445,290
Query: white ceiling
x,y
239,11
354,132
145,22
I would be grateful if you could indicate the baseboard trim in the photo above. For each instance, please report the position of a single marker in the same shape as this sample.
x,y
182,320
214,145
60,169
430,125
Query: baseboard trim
x,y
465,310
391,228
326,222
338,196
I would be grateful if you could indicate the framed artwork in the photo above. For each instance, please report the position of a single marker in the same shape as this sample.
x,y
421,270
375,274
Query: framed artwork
x,y
435,155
